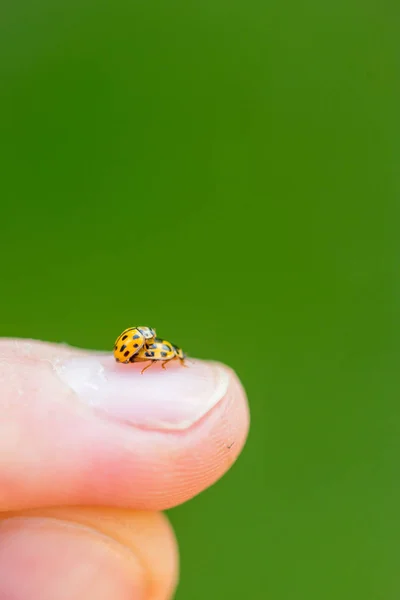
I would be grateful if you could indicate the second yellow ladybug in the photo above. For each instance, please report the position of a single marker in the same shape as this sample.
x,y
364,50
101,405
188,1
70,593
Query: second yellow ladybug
x,y
131,341
159,350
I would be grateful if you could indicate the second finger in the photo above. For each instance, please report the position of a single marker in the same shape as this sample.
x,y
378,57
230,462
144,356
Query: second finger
x,y
85,554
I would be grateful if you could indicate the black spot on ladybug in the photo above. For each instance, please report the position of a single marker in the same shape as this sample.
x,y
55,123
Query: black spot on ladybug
x,y
149,353
164,354
126,353
135,345
124,338
123,348
136,336
166,347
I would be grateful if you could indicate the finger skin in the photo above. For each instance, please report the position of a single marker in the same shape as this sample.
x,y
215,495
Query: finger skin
x,y
55,450
83,553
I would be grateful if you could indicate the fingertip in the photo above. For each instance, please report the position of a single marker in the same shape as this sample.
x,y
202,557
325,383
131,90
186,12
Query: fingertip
x,y
130,554
94,432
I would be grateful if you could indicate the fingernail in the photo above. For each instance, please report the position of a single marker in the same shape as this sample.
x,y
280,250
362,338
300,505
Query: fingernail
x,y
174,398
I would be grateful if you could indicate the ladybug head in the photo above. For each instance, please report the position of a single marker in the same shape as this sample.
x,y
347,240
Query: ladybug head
x,y
148,332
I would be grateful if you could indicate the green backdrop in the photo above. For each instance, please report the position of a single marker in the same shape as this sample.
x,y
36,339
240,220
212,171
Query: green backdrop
x,y
227,172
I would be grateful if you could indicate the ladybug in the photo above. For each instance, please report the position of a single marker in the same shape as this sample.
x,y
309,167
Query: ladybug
x,y
131,341
179,353
159,350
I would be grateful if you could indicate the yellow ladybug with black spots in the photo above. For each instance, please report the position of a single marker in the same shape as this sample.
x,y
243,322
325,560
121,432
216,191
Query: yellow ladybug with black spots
x,y
131,341
159,350
179,353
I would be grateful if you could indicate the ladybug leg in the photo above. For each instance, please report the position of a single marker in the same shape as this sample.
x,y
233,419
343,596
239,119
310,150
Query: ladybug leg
x,y
163,364
147,367
182,361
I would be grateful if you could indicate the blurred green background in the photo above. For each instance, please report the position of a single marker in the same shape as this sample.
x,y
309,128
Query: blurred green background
x,y
227,172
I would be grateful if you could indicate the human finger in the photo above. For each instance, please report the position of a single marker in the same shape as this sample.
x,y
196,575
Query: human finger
x,y
76,428
87,554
